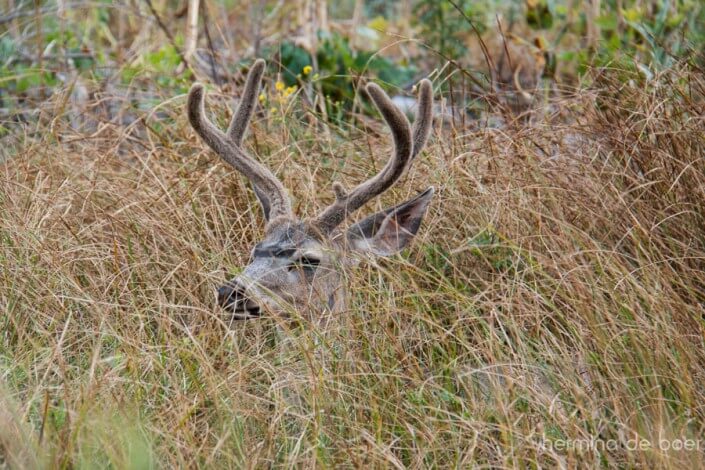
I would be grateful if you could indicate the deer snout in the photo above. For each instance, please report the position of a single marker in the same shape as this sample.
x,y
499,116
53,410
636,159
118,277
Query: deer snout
x,y
233,297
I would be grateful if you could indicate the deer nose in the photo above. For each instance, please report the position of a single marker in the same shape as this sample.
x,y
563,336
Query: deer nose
x,y
232,296
228,295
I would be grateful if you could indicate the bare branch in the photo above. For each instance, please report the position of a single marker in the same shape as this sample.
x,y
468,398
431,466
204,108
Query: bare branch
x,y
191,28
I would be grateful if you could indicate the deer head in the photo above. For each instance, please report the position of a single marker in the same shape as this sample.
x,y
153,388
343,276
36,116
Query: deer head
x,y
298,263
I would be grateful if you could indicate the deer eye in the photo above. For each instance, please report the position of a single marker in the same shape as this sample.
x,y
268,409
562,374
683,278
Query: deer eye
x,y
306,262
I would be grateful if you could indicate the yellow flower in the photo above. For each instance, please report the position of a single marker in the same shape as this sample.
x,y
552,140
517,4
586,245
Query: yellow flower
x,y
307,69
262,97
273,110
279,86
290,90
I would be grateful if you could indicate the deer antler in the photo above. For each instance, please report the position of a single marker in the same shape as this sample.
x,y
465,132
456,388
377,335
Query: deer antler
x,y
424,117
406,147
227,146
241,118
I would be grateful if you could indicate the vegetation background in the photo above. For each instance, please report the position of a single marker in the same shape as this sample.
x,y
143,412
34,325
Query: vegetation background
x,y
549,314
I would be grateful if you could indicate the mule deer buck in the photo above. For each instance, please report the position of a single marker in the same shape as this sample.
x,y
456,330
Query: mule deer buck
x,y
299,262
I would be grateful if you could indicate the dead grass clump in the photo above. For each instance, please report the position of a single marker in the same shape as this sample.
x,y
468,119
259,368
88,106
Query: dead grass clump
x,y
550,312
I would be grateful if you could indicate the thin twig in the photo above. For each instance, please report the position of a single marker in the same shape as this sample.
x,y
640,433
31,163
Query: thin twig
x,y
167,33
485,51
211,50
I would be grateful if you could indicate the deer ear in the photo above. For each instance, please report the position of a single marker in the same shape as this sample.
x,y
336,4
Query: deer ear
x,y
390,230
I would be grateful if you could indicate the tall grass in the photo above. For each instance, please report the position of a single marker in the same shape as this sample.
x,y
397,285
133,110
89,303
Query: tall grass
x,y
550,312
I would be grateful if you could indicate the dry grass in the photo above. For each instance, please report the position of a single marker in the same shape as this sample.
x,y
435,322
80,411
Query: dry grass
x,y
555,294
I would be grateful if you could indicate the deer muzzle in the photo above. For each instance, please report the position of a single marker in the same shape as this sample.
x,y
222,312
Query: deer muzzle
x,y
233,297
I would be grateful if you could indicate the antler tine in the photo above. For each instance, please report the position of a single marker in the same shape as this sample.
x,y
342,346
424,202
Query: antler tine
x,y
423,120
241,118
348,202
226,148
424,117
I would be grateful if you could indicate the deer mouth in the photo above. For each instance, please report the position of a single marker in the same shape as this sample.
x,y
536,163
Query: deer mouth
x,y
232,297
246,309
